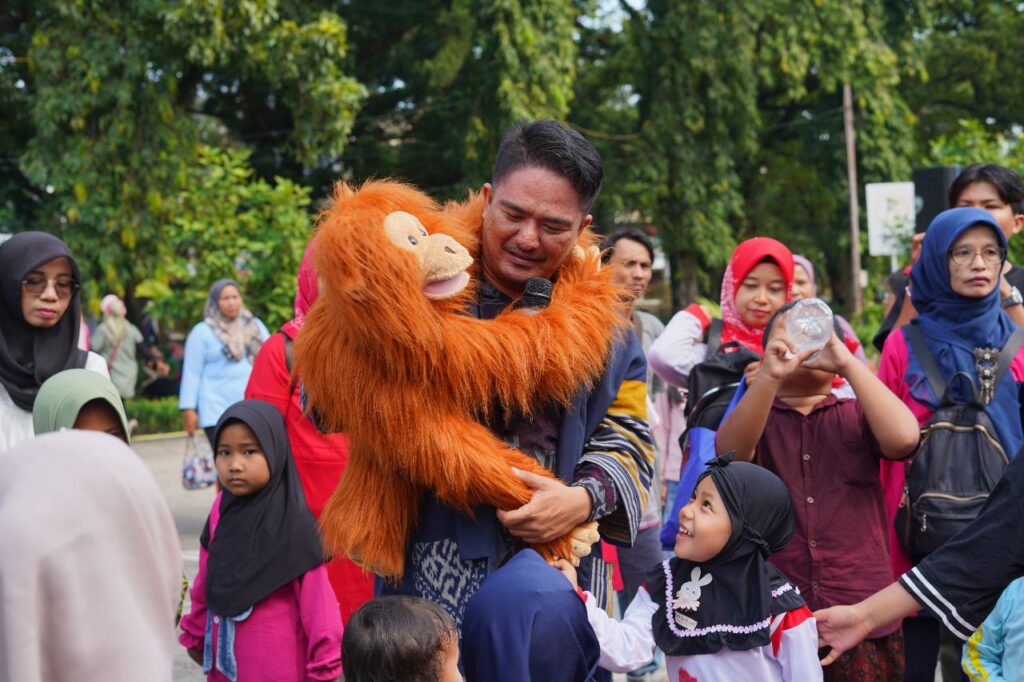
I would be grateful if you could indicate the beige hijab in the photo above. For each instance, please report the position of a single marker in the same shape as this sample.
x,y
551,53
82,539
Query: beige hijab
x,y
90,565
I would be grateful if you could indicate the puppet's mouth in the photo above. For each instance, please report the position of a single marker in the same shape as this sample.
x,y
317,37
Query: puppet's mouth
x,y
440,289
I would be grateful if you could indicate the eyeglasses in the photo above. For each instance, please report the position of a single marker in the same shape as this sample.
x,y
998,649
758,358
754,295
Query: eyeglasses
x,y
37,284
964,255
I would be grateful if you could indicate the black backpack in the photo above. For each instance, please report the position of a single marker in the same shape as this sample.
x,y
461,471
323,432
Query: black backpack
x,y
958,462
713,383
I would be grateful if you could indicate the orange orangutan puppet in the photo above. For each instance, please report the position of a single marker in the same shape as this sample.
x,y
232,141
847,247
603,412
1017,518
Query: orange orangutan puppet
x,y
388,355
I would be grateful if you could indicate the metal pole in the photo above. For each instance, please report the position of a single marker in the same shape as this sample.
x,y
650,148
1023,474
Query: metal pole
x,y
851,174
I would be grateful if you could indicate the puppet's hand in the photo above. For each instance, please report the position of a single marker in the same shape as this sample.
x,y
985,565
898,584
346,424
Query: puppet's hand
x,y
583,538
582,263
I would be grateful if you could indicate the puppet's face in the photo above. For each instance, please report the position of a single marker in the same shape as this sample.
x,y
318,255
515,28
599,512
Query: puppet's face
x,y
442,260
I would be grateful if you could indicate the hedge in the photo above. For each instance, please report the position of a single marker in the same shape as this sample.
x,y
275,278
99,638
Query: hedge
x,y
155,416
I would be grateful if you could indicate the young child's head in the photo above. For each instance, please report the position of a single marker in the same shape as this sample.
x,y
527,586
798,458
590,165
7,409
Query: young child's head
x,y
736,508
757,282
79,399
400,639
242,464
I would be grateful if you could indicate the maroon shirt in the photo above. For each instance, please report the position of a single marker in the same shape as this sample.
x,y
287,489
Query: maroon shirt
x,y
829,461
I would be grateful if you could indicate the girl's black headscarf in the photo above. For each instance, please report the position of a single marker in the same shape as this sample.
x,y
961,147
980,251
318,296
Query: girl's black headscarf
x,y
745,590
264,540
30,355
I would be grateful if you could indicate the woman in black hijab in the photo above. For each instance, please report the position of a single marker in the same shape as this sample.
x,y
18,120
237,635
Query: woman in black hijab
x,y
39,326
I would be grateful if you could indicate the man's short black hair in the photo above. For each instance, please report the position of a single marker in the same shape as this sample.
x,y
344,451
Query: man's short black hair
x,y
609,242
396,638
1007,183
556,147
767,334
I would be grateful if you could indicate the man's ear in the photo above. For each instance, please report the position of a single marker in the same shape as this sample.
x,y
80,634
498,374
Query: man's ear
x,y
488,191
584,224
1018,224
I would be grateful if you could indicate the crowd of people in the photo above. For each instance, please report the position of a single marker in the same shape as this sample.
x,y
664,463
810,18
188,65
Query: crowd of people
x,y
789,540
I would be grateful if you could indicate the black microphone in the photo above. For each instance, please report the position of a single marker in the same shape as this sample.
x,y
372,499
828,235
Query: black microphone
x,y
536,294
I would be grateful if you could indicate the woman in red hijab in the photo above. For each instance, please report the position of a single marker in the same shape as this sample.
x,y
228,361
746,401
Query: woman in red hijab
x,y
756,284
319,458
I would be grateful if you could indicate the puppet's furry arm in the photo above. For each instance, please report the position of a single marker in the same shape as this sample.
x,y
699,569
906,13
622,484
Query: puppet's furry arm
x,y
371,514
523,359
465,465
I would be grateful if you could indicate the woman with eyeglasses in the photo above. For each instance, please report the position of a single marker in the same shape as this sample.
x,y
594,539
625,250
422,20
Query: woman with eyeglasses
x,y
955,288
39,326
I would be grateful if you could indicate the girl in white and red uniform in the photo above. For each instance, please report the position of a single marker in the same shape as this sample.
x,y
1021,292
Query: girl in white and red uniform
x,y
719,610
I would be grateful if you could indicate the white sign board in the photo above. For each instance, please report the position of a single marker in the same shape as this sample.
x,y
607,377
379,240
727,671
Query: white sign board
x,y
890,217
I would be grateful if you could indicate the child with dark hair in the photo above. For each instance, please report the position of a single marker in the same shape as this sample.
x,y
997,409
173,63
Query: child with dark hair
x,y
827,451
400,639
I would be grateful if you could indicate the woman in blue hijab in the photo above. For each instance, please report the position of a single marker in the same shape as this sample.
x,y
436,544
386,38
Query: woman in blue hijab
x,y
954,287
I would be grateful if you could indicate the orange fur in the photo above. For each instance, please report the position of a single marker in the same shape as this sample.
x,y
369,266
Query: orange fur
x,y
410,379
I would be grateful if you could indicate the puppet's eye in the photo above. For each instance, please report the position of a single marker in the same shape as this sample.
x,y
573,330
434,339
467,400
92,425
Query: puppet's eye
x,y
412,240
423,232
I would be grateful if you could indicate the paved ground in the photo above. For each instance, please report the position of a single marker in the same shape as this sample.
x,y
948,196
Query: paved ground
x,y
190,509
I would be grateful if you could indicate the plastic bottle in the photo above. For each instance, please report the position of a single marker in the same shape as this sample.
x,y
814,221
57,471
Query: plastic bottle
x,y
809,324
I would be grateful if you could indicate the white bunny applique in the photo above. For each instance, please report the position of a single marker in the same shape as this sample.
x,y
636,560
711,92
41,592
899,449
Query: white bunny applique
x,y
688,596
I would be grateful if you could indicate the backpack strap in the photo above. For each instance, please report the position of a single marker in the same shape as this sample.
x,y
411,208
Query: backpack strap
x,y
289,361
924,356
714,336
1007,353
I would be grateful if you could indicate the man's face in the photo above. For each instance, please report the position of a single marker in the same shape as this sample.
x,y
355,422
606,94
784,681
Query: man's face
x,y
531,221
631,267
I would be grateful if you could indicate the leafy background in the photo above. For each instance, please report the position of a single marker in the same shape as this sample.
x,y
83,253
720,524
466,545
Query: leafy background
x,y
172,143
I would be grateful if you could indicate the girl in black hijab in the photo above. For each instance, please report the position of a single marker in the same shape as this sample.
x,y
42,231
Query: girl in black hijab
x,y
719,609
262,606
39,324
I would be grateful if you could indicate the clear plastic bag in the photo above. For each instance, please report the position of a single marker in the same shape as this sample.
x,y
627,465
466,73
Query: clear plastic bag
x,y
197,469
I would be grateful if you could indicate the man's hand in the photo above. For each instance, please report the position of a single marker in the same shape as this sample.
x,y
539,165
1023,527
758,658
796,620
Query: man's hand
x,y
842,628
190,421
781,359
553,511
835,357
916,242
196,654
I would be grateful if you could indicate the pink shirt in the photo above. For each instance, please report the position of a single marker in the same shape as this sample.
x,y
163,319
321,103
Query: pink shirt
x,y
293,635
892,367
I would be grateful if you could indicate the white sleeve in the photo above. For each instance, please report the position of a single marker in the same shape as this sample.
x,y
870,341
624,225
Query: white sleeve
x,y
97,363
795,645
627,644
678,349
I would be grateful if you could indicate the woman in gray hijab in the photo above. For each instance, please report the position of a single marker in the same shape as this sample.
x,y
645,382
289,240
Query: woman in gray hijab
x,y
219,352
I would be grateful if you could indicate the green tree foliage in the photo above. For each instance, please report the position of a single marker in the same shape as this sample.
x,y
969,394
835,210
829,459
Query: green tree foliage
x,y
232,224
972,57
739,128
114,124
126,123
448,76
